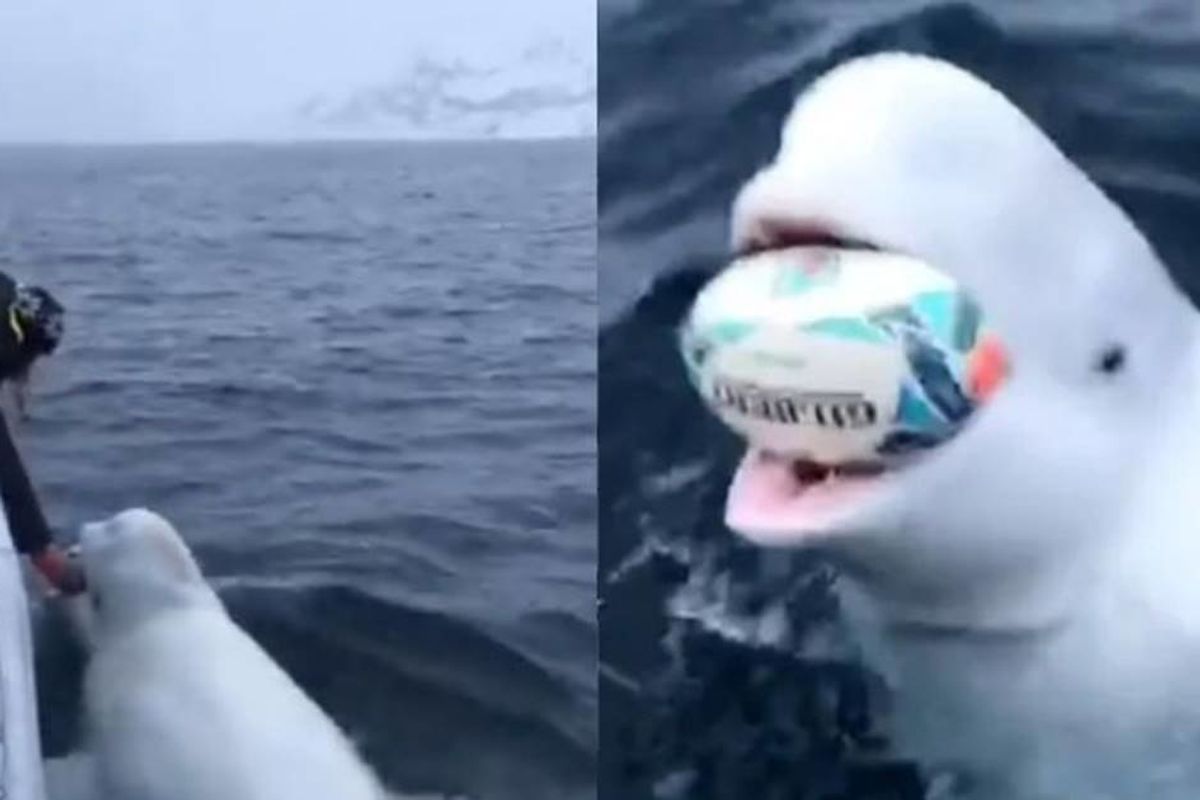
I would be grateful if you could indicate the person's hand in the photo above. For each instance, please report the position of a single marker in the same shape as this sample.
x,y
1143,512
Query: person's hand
x,y
61,570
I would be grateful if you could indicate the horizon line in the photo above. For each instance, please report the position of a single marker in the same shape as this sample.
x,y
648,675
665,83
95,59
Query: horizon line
x,y
296,141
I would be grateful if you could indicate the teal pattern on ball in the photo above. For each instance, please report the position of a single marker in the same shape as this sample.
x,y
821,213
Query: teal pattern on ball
x,y
950,316
936,331
937,310
695,351
853,328
915,412
729,332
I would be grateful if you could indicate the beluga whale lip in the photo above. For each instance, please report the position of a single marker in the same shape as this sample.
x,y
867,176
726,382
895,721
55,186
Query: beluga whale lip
x,y
778,500
777,234
1028,587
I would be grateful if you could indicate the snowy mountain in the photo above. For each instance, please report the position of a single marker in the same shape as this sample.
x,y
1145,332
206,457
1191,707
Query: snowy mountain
x,y
546,91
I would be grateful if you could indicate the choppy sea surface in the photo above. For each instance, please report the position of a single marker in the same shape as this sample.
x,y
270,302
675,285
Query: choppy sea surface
x,y
725,672
361,381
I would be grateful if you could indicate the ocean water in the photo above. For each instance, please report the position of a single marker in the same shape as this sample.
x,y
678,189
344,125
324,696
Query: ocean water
x,y
360,380
725,672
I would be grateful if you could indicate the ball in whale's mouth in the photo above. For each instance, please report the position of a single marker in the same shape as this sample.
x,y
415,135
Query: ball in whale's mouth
x,y
777,496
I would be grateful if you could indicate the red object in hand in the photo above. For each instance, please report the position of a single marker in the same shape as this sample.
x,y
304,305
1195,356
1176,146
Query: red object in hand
x,y
59,570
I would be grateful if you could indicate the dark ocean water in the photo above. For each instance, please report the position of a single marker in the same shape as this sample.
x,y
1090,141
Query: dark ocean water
x,y
360,380
725,673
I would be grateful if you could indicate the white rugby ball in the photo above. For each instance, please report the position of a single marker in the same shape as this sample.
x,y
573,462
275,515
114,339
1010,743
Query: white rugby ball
x,y
834,355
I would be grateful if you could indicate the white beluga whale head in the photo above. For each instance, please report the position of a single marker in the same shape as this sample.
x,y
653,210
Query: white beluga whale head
x,y
1030,585
182,704
138,568
996,527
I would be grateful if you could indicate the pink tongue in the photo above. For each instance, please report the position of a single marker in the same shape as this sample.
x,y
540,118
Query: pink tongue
x,y
766,501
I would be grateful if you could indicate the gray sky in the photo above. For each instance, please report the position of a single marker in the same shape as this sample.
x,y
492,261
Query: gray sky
x,y
150,70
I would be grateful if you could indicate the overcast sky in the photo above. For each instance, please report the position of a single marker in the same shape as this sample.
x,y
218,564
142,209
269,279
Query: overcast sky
x,y
149,70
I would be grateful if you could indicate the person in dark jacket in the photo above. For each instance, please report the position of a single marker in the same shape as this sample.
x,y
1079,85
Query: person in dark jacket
x,y
31,328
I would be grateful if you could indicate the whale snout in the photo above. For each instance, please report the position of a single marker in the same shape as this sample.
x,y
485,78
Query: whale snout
x,y
93,534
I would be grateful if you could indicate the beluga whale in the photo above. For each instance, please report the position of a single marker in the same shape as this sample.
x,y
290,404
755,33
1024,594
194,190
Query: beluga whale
x,y
180,703
1030,589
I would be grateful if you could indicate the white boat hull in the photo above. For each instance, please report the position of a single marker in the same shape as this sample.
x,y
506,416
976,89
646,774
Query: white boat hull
x,y
21,776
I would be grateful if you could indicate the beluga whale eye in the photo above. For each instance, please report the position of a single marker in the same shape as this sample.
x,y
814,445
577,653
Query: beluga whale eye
x,y
1112,359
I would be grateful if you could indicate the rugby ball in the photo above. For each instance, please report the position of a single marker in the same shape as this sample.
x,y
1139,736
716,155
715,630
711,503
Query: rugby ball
x,y
837,355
